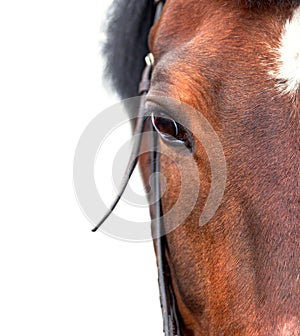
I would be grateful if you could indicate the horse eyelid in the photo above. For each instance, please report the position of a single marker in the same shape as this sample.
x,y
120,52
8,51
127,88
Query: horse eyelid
x,y
173,140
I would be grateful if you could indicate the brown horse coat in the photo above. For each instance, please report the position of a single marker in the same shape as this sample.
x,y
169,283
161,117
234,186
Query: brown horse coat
x,y
237,63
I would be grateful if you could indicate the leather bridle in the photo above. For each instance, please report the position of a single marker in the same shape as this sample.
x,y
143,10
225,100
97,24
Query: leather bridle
x,y
167,297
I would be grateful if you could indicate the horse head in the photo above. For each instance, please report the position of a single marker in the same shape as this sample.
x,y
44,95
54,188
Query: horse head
x,y
236,65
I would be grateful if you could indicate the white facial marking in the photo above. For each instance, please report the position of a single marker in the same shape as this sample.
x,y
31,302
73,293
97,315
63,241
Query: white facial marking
x,y
289,54
290,329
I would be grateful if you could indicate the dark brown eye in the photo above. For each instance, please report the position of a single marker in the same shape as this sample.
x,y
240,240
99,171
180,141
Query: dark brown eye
x,y
171,131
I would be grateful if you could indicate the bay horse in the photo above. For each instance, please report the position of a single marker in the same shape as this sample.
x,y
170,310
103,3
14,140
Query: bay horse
x,y
238,63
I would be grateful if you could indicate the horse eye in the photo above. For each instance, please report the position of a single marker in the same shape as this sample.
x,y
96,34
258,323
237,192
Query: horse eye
x,y
171,131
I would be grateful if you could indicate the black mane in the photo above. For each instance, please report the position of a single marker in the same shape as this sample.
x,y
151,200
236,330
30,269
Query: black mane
x,y
128,26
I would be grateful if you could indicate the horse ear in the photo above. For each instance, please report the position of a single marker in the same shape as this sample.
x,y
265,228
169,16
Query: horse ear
x,y
127,29
263,3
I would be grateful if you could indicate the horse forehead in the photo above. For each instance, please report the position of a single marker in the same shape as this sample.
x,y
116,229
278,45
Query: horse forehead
x,y
217,27
180,24
206,35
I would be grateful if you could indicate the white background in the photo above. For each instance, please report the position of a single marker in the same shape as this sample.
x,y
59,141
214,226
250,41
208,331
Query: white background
x,y
58,278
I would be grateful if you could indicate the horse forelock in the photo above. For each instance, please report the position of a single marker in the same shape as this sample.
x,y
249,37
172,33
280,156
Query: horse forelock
x,y
127,30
